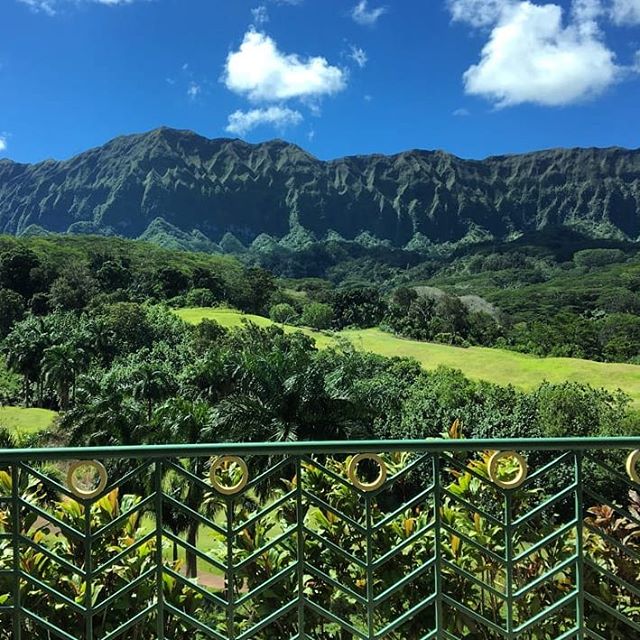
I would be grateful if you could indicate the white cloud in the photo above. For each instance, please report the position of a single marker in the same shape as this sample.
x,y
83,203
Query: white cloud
x,y
478,13
461,113
194,90
46,6
531,56
241,122
3,142
364,15
50,7
359,56
262,72
587,11
626,12
260,15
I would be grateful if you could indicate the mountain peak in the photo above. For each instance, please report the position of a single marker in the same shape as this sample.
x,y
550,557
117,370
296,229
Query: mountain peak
x,y
226,185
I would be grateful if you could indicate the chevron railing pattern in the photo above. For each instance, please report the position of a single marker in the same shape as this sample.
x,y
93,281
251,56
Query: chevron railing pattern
x,y
448,539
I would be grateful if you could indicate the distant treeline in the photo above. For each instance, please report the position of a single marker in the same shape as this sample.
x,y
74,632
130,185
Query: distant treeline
x,y
582,304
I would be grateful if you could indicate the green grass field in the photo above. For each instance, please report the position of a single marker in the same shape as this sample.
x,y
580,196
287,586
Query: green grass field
x,y
25,421
480,363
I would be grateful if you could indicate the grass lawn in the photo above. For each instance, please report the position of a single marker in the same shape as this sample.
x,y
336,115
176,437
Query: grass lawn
x,y
25,421
480,363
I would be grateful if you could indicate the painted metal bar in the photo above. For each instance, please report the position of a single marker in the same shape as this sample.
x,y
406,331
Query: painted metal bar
x,y
88,562
436,445
438,550
579,517
300,549
509,554
15,535
369,569
158,506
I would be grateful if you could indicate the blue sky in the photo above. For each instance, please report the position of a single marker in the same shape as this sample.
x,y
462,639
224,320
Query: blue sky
x,y
337,77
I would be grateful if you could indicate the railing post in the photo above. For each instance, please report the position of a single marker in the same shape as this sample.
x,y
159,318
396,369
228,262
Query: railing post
x,y
15,540
300,549
88,572
579,508
508,546
159,556
231,579
369,577
437,503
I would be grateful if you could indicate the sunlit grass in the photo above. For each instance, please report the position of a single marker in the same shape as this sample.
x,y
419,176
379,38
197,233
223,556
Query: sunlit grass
x,y
480,363
23,420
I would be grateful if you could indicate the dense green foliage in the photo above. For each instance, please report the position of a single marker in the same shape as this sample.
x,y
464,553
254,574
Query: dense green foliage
x,y
89,331
76,273
277,192
114,368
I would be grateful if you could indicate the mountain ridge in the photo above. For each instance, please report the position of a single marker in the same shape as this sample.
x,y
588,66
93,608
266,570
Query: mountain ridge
x,y
217,186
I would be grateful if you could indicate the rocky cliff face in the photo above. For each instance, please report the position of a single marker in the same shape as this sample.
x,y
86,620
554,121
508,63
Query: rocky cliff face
x,y
219,186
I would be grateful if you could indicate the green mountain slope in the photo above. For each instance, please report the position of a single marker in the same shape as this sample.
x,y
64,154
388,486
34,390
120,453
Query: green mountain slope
x,y
220,186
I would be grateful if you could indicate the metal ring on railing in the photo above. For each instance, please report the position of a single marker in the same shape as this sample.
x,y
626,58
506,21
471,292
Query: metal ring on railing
x,y
632,466
493,469
82,493
236,488
352,472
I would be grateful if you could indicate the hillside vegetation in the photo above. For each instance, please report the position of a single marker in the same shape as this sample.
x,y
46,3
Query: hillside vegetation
x,y
221,194
493,365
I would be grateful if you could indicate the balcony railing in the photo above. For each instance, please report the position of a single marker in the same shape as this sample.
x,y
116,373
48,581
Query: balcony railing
x,y
403,540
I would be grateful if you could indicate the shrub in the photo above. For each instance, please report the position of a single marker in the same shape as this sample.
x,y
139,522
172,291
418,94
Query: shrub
x,y
318,315
283,313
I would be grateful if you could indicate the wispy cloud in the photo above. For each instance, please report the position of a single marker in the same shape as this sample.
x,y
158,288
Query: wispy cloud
x,y
241,122
194,90
461,113
365,15
359,56
626,12
46,6
50,7
259,70
260,15
477,13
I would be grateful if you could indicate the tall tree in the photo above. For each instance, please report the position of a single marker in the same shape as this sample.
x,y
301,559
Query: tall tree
x,y
183,421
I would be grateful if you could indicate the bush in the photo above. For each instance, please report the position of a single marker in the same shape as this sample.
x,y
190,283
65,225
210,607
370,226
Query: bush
x,y
200,298
318,315
283,313
593,258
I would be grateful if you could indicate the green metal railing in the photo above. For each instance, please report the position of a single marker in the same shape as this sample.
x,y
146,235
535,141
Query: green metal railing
x,y
350,540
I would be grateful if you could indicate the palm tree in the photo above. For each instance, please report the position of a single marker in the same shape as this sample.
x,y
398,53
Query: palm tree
x,y
61,364
152,383
283,392
186,422
23,348
104,415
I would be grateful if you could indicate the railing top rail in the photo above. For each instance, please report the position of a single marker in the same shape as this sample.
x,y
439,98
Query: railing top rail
x,y
435,445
